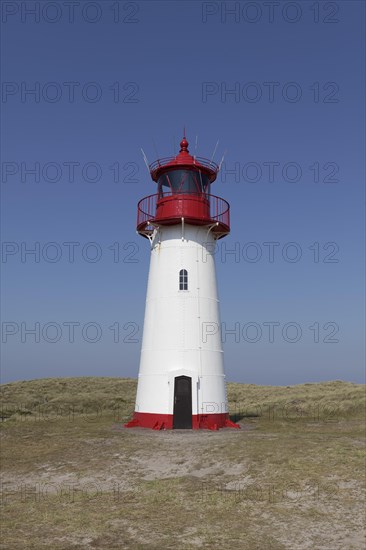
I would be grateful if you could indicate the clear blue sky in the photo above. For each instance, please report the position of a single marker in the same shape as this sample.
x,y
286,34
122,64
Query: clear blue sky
x,y
103,90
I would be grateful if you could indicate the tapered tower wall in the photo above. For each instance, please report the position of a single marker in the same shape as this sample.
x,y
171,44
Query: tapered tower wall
x,y
181,327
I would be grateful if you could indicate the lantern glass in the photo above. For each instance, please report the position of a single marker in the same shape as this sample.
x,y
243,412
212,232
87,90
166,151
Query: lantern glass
x,y
183,181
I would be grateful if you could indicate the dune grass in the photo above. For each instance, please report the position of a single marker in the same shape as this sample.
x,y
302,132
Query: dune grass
x,y
73,477
93,396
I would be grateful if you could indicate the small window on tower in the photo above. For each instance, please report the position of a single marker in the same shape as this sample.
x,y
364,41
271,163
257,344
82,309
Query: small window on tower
x,y
183,279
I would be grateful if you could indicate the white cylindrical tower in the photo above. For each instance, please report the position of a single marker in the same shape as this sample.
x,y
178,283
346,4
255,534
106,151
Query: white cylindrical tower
x,y
181,380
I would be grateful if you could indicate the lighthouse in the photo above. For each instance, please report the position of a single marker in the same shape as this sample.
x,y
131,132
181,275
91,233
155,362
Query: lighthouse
x,y
181,382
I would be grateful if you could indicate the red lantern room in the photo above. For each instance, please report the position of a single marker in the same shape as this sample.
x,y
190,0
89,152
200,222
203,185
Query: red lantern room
x,y
184,192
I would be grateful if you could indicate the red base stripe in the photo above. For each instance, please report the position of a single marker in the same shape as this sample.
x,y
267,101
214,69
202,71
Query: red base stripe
x,y
165,421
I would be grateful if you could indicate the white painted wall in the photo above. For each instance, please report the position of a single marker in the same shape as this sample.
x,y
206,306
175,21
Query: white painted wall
x,y
174,337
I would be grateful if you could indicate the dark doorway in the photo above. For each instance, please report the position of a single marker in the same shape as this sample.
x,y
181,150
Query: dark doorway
x,y
182,414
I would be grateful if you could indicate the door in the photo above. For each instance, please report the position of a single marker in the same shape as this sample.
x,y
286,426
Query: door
x,y
182,413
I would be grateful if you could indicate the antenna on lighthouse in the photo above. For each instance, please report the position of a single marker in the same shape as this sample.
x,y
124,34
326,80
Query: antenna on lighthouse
x,y
222,160
195,147
145,160
213,154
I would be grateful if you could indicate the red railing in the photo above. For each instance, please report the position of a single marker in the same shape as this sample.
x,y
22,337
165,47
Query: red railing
x,y
219,211
146,210
197,160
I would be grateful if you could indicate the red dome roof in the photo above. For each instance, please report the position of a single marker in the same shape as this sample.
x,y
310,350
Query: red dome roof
x,y
184,160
